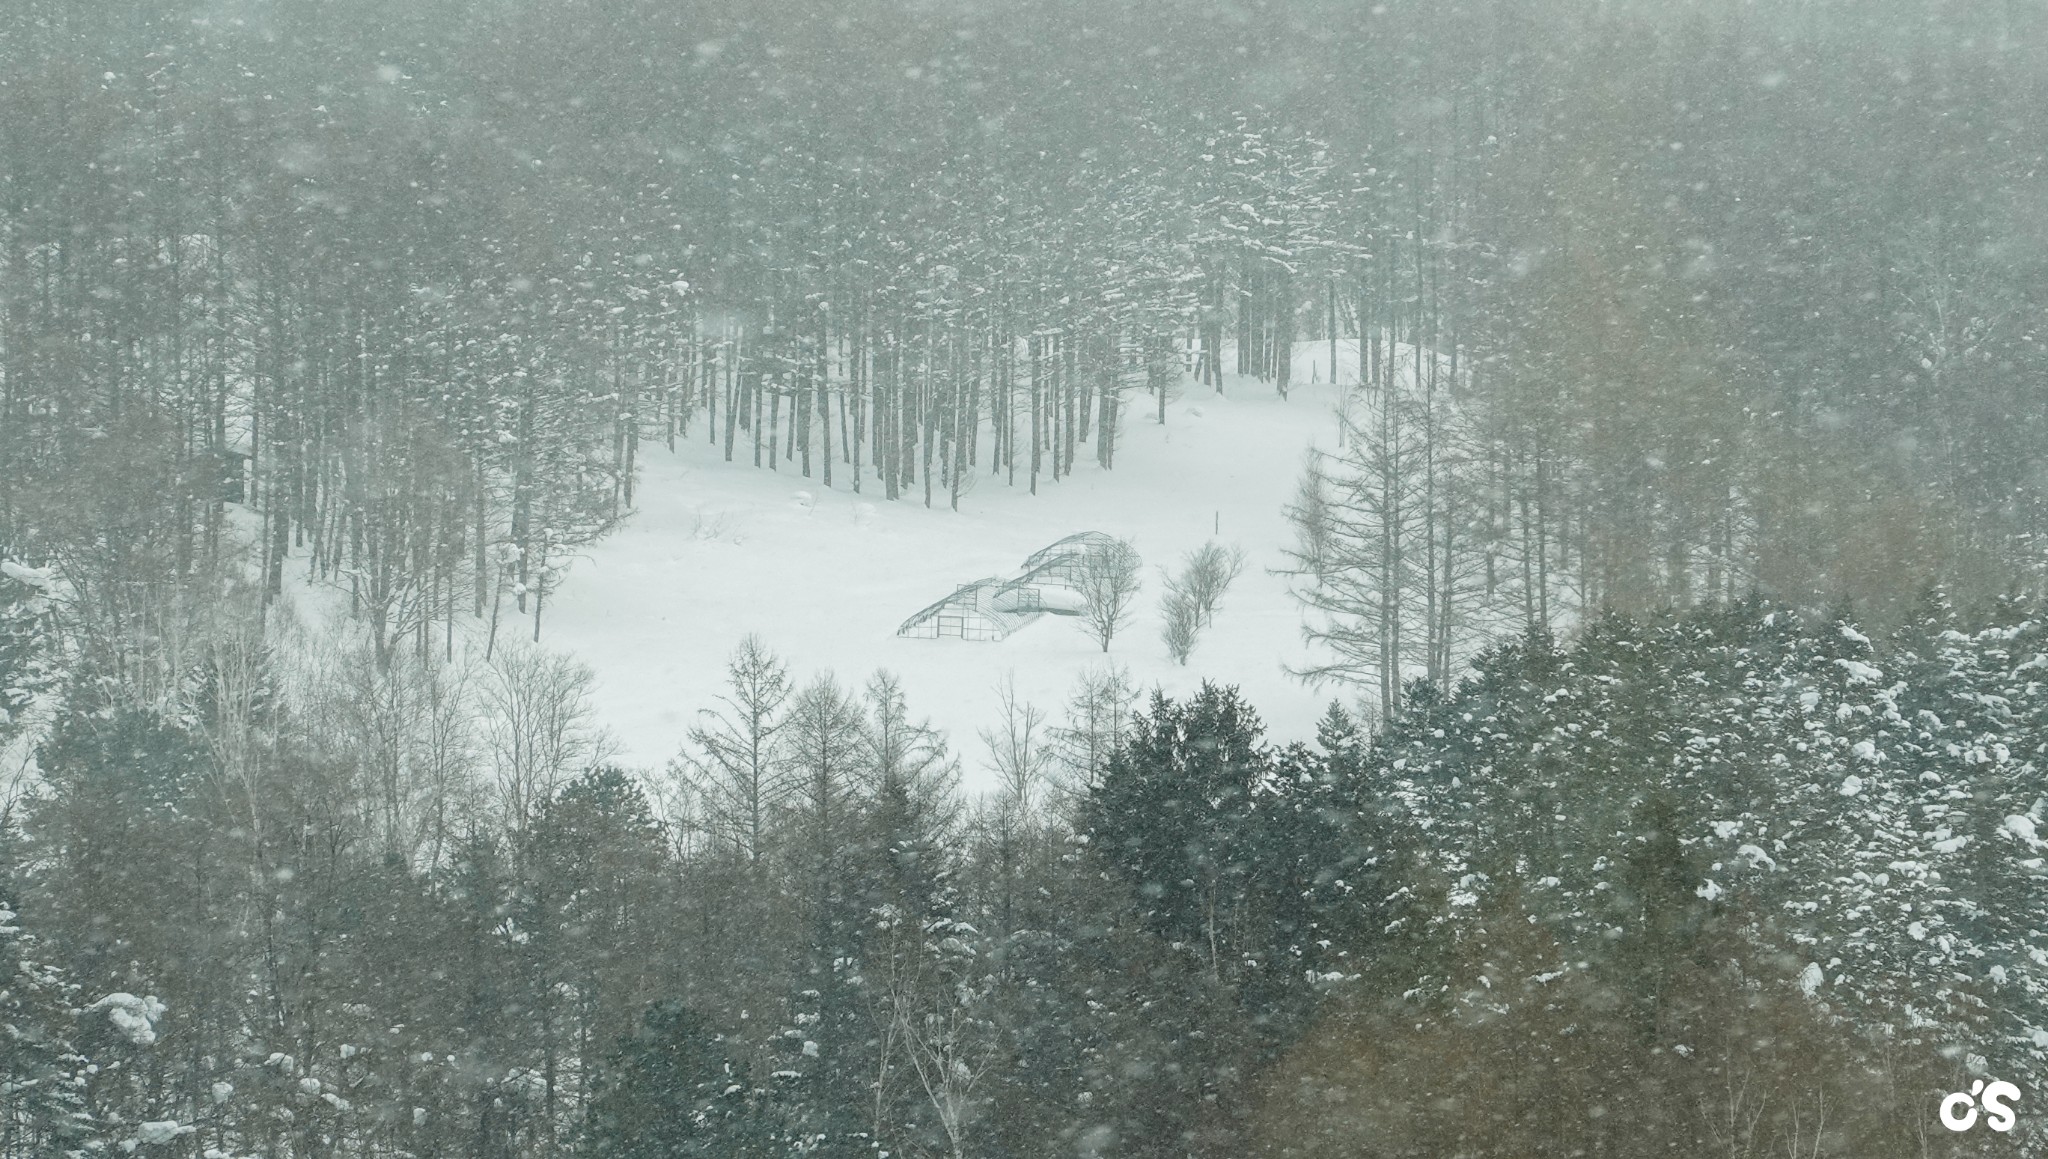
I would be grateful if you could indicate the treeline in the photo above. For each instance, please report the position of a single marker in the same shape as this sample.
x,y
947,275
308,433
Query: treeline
x,y
1730,298
412,287
1721,882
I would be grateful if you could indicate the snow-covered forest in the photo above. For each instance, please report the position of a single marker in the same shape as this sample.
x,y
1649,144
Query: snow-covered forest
x,y
486,487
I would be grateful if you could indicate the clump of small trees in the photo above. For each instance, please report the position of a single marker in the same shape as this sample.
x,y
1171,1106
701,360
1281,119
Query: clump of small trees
x,y
1193,595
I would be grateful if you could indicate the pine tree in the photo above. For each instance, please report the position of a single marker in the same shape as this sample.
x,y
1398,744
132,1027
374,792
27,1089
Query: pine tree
x,y
124,801
673,1088
596,926
1174,815
42,1074
27,661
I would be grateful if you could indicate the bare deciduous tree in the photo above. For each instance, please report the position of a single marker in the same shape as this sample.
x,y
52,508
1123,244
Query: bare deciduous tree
x,y
1206,573
1019,749
1098,717
1108,584
409,723
950,1049
538,727
733,766
821,745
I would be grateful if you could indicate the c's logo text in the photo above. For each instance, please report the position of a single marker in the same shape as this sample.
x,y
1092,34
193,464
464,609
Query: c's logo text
x,y
1959,1110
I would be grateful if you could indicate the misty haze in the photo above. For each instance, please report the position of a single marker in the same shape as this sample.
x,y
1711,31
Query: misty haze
x,y
1023,579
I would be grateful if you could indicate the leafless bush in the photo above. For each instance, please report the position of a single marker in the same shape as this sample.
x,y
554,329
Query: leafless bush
x,y
1206,574
1193,595
1183,622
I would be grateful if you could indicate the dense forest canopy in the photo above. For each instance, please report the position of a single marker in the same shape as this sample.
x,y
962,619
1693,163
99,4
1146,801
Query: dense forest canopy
x,y
1748,290
1678,571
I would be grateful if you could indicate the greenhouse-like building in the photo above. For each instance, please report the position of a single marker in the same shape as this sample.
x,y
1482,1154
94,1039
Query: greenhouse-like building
x,y
992,608
972,612
1064,561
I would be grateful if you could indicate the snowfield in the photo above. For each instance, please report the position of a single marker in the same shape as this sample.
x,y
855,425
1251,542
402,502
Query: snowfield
x,y
716,550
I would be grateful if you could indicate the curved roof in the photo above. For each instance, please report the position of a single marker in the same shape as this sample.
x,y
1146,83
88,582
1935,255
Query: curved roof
x,y
966,593
1079,543
993,607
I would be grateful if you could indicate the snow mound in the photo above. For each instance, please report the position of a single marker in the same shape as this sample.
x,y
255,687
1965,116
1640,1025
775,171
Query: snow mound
x,y
40,578
156,1134
134,1017
1756,857
1811,978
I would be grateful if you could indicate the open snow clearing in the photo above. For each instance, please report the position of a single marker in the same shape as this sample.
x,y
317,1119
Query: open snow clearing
x,y
826,576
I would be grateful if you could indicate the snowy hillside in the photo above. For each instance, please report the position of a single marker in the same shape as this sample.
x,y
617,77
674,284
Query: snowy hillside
x,y
718,550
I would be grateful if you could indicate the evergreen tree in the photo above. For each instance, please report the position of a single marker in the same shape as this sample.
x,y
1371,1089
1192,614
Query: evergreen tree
x,y
124,803
595,925
1175,815
673,1088
42,1075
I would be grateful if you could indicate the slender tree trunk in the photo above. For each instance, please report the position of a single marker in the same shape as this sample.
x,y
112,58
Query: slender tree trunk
x,y
1037,392
1245,365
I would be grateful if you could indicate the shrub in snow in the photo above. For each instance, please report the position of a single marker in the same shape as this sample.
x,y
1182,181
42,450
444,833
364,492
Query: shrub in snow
x,y
1193,595
1182,624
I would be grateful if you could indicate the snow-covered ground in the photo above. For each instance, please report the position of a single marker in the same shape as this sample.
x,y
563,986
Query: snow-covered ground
x,y
825,576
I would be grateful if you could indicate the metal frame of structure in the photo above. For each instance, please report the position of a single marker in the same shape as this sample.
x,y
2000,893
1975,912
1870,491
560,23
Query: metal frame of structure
x,y
992,608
